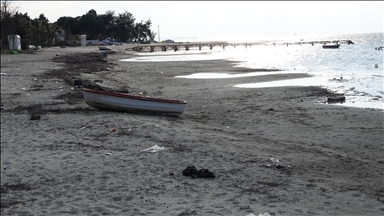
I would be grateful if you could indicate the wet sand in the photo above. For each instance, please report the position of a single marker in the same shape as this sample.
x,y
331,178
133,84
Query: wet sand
x,y
275,150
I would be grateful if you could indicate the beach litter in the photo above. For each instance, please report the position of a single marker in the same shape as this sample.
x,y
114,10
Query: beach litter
x,y
153,149
277,165
275,160
194,173
35,116
78,83
262,214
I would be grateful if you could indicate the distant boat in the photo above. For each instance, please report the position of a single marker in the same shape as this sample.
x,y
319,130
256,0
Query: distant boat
x,y
331,46
104,48
109,42
123,102
339,99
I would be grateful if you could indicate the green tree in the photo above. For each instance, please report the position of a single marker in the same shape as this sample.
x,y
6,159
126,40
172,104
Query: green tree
x,y
143,31
125,26
109,20
150,34
23,27
121,27
91,24
7,13
43,32
70,25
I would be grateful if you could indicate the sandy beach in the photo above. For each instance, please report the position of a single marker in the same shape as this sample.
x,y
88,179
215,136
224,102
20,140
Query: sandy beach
x,y
273,150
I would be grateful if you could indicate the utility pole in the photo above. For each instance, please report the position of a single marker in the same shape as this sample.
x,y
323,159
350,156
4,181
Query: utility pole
x,y
158,31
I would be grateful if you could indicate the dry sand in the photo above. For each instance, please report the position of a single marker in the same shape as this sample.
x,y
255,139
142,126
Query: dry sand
x,y
330,157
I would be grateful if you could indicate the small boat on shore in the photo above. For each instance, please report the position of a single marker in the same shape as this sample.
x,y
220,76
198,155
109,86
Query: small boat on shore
x,y
123,102
339,99
104,48
331,46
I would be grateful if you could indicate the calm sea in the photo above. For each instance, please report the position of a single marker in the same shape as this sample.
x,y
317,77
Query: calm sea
x,y
355,70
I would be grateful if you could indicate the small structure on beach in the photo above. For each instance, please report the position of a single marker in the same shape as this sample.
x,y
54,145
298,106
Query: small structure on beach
x,y
14,42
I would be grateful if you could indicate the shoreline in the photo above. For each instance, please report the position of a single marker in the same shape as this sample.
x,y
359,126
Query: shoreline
x,y
329,157
357,99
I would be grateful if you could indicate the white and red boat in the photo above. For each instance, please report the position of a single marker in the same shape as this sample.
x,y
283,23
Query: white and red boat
x,y
123,102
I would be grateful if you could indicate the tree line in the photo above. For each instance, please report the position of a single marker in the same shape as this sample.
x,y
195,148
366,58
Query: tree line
x,y
39,31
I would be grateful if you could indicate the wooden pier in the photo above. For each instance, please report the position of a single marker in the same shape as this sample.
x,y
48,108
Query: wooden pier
x,y
176,46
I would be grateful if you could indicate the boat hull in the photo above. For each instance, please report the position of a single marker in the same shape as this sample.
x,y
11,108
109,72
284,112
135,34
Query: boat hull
x,y
331,46
102,48
340,99
122,102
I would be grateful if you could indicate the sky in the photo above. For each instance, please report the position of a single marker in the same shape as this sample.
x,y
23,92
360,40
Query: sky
x,y
228,19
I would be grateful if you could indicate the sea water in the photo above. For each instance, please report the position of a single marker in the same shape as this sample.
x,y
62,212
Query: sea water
x,y
355,70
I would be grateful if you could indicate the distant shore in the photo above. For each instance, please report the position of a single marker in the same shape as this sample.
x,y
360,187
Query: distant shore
x,y
271,149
